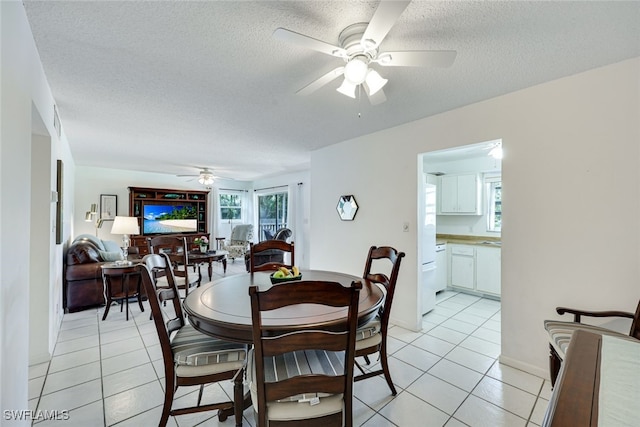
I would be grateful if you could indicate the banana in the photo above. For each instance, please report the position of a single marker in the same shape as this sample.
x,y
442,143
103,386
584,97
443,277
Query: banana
x,y
285,270
295,271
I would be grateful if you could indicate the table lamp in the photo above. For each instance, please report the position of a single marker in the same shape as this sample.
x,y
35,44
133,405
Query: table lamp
x,y
125,225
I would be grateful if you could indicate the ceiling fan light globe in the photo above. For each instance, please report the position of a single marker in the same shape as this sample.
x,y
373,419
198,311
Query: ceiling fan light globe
x,y
356,70
347,88
374,81
205,179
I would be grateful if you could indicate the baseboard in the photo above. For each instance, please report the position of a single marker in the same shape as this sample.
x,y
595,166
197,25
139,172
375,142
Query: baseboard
x,y
405,325
533,370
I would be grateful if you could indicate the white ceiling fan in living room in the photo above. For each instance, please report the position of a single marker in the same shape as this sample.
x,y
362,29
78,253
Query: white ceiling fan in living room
x,y
359,49
205,176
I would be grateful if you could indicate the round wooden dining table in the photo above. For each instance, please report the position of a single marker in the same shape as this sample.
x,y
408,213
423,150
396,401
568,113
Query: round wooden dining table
x,y
223,308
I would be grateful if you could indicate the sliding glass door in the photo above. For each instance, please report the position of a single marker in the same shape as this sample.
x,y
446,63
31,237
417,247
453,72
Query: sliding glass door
x,y
272,213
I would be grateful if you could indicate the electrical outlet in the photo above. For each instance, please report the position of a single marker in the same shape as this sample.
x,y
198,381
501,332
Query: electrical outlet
x,y
405,227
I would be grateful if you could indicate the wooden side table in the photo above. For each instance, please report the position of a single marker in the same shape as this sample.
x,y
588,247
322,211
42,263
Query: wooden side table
x,y
117,280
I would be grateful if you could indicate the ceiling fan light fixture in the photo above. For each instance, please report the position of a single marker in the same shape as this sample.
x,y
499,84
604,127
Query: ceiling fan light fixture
x,y
205,179
356,69
347,88
374,81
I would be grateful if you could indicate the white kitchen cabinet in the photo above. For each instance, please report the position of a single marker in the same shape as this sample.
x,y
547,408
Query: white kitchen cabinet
x,y
459,194
488,270
462,266
475,268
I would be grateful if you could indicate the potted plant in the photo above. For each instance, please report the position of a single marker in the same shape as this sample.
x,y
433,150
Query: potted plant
x,y
203,242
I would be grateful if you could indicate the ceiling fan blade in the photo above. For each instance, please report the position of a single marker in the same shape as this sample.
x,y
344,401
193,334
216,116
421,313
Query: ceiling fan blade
x,y
309,42
383,19
317,84
377,98
419,58
188,175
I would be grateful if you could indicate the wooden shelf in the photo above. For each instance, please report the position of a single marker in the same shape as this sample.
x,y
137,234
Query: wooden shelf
x,y
141,196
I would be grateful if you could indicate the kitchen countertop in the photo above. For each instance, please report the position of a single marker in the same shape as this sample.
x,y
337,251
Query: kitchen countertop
x,y
468,240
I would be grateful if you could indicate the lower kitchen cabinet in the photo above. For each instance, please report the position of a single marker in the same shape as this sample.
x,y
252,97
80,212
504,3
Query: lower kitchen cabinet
x,y
488,270
462,264
475,268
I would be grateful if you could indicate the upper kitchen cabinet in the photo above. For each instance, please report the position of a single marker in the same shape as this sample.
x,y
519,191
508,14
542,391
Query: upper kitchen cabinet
x,y
460,194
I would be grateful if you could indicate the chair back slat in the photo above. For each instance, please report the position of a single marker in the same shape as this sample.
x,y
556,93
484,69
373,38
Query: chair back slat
x,y
335,342
270,247
295,341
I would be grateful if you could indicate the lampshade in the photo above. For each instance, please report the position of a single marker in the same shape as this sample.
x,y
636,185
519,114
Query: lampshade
x,y
125,225
347,88
374,81
205,179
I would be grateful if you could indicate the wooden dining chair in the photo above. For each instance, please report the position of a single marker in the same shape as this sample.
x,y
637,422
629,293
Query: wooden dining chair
x,y
268,255
190,358
372,337
187,274
560,333
303,377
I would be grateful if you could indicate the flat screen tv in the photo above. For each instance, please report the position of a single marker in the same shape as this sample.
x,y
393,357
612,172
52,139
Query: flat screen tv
x,y
169,219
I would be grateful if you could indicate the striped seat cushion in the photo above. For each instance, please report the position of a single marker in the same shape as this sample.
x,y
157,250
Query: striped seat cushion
x,y
193,348
370,329
560,333
296,363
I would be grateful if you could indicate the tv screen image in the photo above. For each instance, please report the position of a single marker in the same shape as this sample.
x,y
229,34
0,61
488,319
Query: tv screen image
x,y
166,219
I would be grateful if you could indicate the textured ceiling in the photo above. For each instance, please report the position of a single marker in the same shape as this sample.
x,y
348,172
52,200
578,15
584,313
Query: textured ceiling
x,y
174,86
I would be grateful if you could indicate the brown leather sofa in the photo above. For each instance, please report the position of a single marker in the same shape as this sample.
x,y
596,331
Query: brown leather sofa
x,y
83,286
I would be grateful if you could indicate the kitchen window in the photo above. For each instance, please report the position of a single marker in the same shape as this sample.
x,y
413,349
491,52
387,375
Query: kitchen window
x,y
494,205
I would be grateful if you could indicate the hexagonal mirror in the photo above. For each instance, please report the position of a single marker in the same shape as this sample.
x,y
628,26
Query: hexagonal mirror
x,y
347,208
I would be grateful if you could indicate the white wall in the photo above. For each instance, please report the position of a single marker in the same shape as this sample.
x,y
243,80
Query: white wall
x,y
23,86
571,223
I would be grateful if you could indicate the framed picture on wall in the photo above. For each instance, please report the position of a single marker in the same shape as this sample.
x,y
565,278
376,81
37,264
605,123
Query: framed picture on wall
x,y
108,206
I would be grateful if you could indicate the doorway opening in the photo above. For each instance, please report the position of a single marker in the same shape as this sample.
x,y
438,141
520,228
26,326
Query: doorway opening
x,y
460,238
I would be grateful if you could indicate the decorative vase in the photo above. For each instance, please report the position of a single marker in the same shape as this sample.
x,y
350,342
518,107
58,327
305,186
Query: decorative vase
x,y
203,249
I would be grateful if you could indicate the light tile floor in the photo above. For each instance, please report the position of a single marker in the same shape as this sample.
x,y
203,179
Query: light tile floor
x,y
110,373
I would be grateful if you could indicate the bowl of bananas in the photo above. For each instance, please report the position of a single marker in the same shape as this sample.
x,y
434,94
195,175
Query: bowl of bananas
x,y
283,274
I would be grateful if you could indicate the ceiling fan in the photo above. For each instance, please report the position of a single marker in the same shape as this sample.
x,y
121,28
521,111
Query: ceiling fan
x,y
205,177
358,48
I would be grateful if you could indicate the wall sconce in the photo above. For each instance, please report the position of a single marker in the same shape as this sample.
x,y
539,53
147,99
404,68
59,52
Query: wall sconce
x,y
91,214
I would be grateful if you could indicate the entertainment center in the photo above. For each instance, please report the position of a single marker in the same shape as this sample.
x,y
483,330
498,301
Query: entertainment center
x,y
170,212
